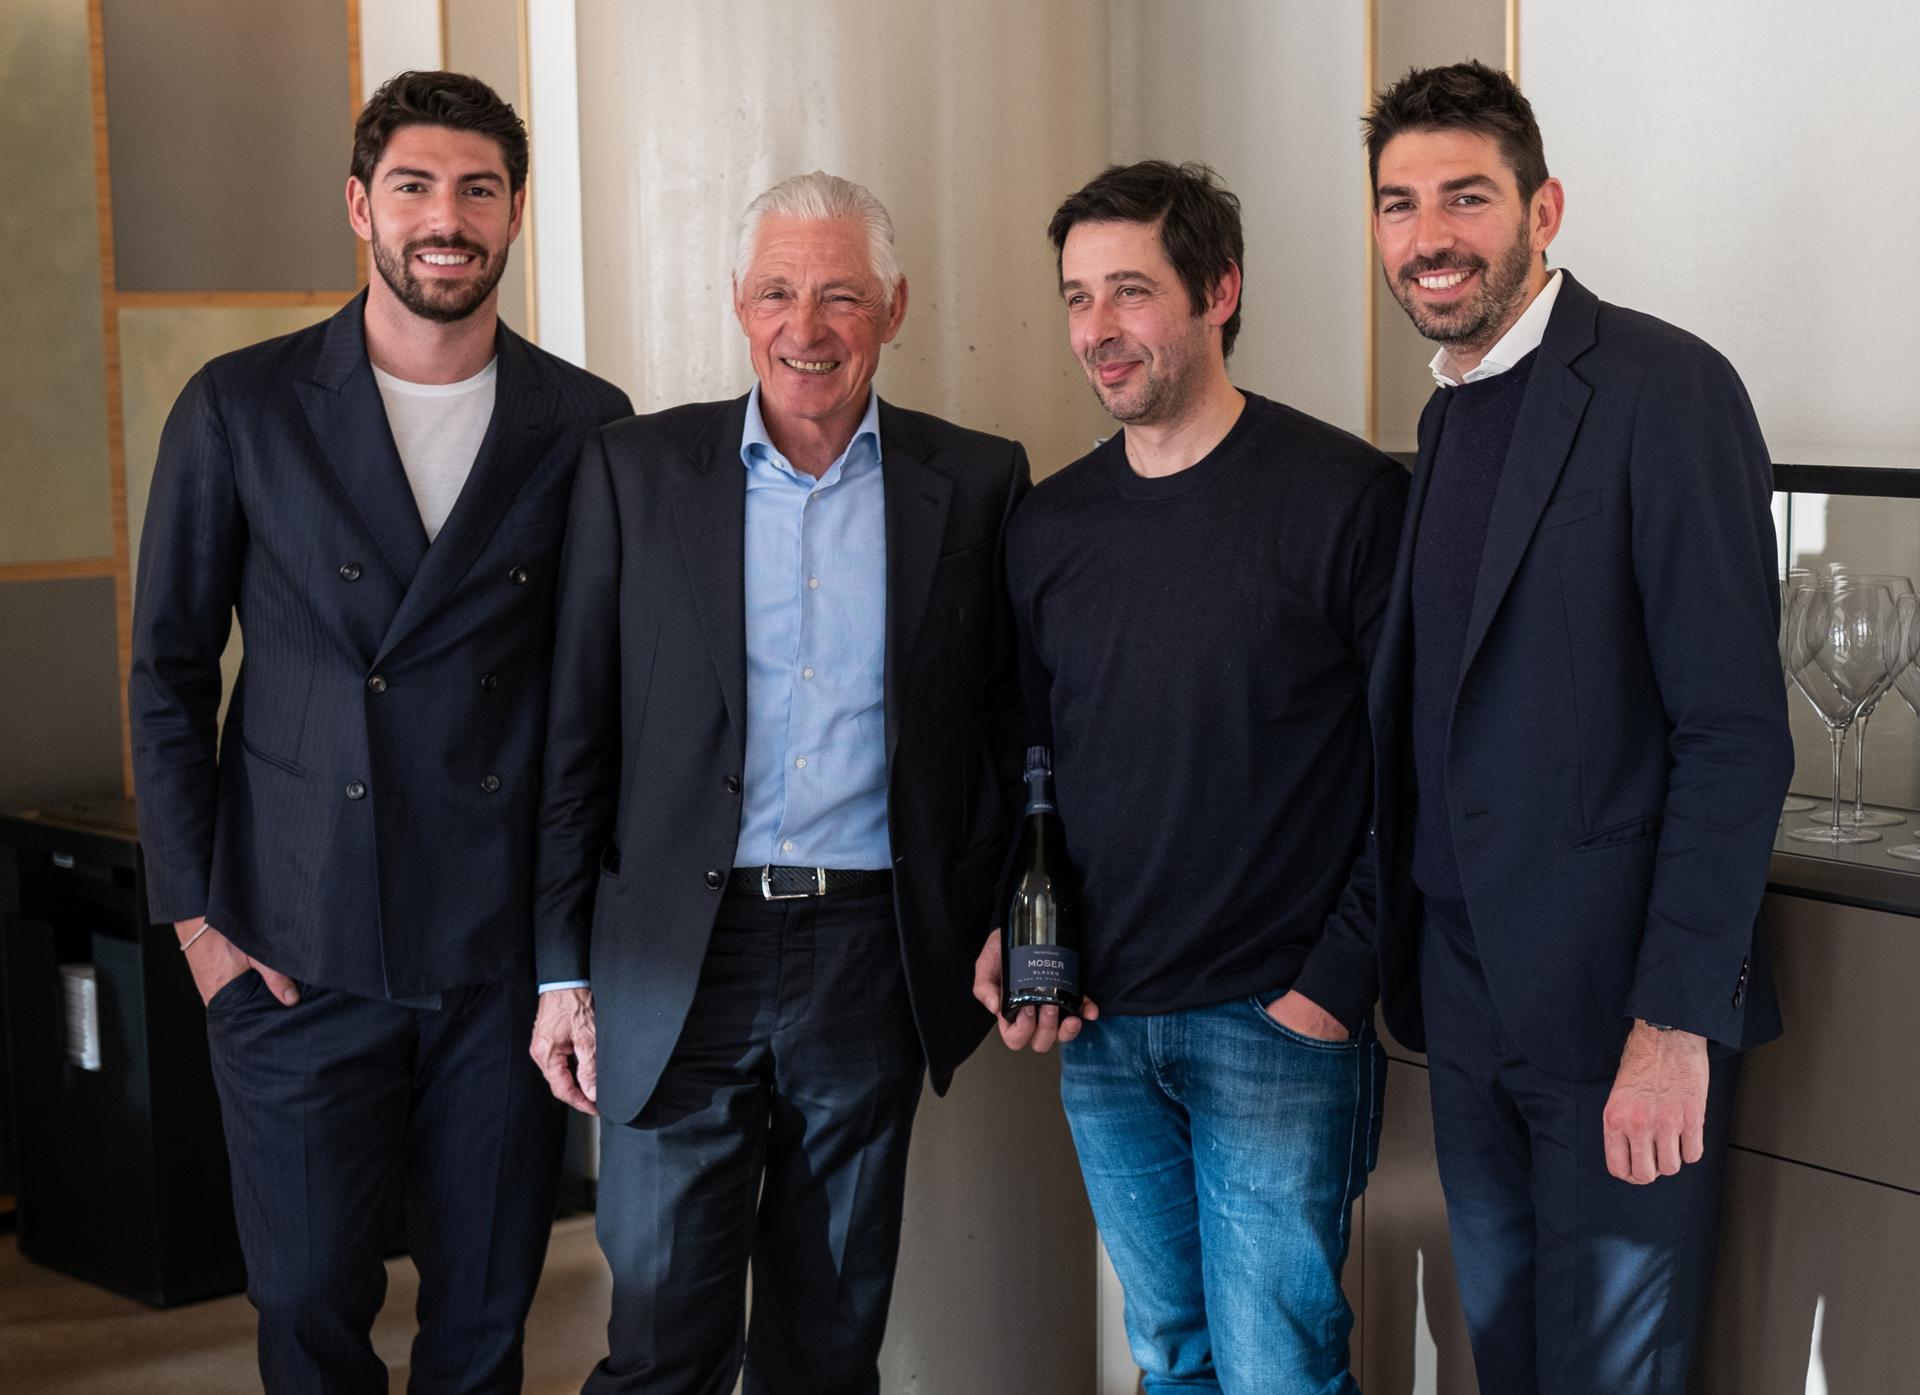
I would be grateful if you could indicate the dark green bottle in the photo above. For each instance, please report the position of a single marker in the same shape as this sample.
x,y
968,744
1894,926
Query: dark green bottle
x,y
1044,930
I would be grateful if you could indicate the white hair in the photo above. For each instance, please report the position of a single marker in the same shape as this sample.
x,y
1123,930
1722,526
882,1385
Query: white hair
x,y
820,195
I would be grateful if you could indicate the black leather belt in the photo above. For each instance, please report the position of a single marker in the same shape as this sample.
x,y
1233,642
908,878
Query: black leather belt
x,y
796,883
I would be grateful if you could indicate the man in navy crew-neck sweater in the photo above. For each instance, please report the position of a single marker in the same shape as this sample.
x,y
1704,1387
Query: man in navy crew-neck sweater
x,y
1582,751
1198,601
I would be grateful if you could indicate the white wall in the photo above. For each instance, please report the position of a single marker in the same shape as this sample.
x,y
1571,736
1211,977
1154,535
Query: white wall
x,y
1746,170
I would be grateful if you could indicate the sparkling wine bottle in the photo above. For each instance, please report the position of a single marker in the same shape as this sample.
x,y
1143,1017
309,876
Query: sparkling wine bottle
x,y
1044,929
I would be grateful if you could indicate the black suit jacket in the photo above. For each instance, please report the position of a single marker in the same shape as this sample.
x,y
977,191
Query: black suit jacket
x,y
367,822
647,727
1618,748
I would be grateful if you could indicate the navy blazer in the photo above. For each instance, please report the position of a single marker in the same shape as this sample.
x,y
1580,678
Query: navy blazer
x,y
367,822
647,727
1618,749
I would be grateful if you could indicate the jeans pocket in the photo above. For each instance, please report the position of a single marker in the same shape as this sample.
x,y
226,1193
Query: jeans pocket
x,y
1300,1038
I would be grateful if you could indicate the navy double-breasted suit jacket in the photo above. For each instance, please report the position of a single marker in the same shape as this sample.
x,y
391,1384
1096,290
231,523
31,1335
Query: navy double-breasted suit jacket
x,y
365,822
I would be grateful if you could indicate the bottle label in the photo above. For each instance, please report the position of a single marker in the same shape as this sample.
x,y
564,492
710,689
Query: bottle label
x,y
1042,969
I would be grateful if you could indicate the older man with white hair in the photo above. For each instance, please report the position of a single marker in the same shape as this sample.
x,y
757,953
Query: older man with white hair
x,y
782,764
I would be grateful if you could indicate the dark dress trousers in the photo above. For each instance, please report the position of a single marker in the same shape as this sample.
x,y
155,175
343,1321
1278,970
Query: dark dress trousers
x,y
734,1039
365,825
1614,762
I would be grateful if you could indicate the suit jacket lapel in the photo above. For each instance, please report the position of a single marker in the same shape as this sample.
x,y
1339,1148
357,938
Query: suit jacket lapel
x,y
1550,414
1390,662
918,497
511,450
344,411
710,512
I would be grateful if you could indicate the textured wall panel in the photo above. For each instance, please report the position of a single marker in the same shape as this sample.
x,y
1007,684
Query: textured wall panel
x,y
969,122
1268,93
229,130
60,708
53,433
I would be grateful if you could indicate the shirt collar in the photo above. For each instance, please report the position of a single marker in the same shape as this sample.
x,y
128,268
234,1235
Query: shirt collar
x,y
756,445
1521,339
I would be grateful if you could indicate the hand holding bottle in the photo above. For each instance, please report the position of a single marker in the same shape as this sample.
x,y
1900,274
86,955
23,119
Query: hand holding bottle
x,y
1036,1027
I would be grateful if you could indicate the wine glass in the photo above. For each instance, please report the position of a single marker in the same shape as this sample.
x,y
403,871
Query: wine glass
x,y
1800,602
1860,816
1907,684
1853,659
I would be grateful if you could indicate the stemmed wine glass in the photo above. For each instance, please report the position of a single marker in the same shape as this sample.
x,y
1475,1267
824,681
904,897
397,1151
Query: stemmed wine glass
x,y
1859,815
1907,683
1798,592
1851,661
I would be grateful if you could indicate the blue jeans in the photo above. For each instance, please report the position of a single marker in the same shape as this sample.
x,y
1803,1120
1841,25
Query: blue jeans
x,y
1222,1154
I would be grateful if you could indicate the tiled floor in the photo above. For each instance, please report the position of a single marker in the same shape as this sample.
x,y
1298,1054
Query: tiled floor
x,y
59,1336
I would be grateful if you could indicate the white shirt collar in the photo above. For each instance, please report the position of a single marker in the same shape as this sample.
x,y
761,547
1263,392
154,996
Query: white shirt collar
x,y
1520,340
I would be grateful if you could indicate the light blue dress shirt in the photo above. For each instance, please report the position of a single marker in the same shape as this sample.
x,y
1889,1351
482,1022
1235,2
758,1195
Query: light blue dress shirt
x,y
814,788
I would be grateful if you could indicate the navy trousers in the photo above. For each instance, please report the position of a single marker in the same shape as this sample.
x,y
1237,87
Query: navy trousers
x,y
778,1134
339,1108
1573,1282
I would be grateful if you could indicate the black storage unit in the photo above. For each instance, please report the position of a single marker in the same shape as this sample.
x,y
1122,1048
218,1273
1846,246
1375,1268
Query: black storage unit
x,y
122,1171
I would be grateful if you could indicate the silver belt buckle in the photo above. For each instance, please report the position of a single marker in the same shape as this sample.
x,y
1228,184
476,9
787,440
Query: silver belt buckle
x,y
768,893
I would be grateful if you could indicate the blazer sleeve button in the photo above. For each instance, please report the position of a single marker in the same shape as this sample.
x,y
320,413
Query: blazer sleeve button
x,y
356,790
349,571
489,681
490,783
714,879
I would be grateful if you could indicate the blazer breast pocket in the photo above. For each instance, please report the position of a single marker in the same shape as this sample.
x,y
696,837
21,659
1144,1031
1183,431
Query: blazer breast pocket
x,y
1570,508
966,562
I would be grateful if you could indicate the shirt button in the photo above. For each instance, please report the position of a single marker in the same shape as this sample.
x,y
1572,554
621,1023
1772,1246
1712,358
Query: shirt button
x,y
376,684
488,682
356,790
490,783
733,784
800,763
349,571
813,583
787,846
518,576
714,879
806,673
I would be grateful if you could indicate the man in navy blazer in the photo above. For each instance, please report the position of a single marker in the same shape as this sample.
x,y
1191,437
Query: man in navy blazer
x,y
379,499
1583,747
782,768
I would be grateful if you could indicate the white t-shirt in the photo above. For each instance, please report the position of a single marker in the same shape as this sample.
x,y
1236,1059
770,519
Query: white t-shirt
x,y
438,428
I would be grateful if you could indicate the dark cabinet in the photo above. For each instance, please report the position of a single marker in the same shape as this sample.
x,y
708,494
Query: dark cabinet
x,y
121,1168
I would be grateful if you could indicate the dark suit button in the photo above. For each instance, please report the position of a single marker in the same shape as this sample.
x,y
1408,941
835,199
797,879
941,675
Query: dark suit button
x,y
714,879
356,790
490,783
349,571
376,684
518,576
733,784
488,682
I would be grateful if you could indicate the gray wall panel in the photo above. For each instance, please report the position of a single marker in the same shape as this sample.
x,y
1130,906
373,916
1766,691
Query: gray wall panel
x,y
229,134
60,709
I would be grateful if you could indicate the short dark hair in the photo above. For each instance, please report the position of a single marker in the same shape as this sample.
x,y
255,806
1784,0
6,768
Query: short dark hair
x,y
1197,217
1466,96
459,100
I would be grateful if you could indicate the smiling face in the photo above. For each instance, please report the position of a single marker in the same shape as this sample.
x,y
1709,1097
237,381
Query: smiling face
x,y
1461,250
815,317
439,217
1132,325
